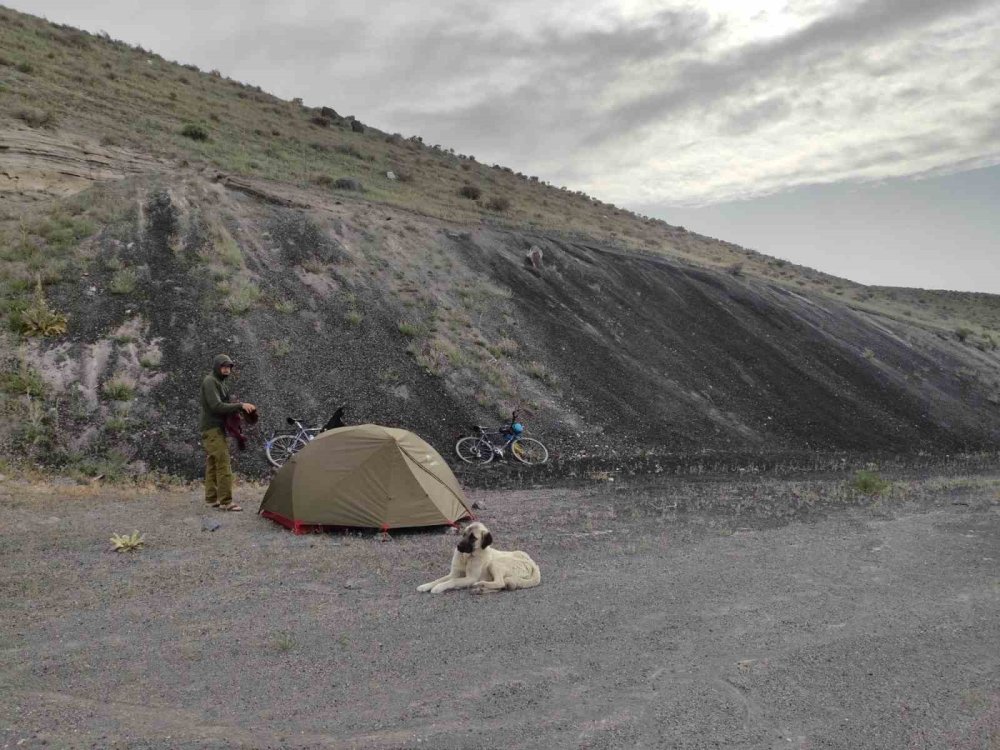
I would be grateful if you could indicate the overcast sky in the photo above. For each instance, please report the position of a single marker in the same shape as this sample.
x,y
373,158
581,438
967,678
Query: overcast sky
x,y
861,137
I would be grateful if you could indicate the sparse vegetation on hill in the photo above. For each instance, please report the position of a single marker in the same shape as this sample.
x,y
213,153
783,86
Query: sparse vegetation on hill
x,y
190,214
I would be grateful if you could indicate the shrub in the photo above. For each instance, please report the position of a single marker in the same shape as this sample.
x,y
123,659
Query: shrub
x,y
470,191
285,306
324,180
151,359
349,183
353,317
127,542
38,319
25,382
963,333
36,118
505,347
119,389
409,329
194,132
124,281
25,67
348,150
226,249
498,203
539,371
736,269
869,483
243,294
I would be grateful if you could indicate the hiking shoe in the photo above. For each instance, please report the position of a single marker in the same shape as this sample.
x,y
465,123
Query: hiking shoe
x,y
229,507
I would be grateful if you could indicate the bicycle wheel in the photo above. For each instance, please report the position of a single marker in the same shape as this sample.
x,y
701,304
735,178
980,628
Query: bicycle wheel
x,y
529,451
474,450
280,448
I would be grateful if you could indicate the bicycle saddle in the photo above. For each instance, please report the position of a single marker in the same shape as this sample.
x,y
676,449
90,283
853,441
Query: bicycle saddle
x,y
292,420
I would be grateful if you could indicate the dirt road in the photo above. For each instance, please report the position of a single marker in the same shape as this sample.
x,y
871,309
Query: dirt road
x,y
813,618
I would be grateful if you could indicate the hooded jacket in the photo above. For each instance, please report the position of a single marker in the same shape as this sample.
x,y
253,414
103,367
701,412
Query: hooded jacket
x,y
215,406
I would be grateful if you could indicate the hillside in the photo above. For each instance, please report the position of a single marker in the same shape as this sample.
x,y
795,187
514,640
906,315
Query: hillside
x,y
153,215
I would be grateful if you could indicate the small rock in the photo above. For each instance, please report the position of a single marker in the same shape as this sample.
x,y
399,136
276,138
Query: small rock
x,y
352,585
479,505
210,524
391,175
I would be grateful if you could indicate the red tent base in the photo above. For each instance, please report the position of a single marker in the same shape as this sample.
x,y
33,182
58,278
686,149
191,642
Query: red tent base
x,y
297,527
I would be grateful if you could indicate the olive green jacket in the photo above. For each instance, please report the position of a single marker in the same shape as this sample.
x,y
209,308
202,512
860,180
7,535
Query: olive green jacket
x,y
215,406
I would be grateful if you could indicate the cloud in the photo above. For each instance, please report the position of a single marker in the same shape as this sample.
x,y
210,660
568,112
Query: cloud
x,y
635,101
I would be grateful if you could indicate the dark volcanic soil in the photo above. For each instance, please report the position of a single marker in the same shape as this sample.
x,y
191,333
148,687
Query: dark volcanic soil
x,y
811,618
618,354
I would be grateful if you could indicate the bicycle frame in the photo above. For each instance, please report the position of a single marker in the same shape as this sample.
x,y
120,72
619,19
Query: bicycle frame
x,y
301,431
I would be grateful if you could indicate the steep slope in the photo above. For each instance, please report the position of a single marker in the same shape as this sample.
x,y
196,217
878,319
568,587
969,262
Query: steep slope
x,y
141,253
417,323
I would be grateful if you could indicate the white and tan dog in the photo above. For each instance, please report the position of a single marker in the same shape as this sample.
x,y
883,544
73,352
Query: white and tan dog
x,y
475,564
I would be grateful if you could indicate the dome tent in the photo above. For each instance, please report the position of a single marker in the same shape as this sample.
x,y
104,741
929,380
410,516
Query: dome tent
x,y
365,476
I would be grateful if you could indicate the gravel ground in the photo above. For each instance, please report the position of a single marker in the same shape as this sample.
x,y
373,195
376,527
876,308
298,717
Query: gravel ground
x,y
812,618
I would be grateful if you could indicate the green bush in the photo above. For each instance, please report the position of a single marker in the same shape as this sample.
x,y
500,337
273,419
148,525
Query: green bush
x,y
498,203
349,183
194,132
119,389
869,483
25,382
409,329
38,319
470,191
124,281
243,294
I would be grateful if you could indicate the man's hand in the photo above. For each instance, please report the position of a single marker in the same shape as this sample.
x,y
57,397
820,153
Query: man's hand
x,y
248,408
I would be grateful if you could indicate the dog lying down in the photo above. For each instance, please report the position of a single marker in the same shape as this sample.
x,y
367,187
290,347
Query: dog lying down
x,y
476,564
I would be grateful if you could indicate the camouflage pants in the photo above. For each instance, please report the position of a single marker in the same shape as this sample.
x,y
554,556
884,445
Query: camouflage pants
x,y
218,472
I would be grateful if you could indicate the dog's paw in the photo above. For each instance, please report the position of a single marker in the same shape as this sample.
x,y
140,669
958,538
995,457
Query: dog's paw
x,y
424,587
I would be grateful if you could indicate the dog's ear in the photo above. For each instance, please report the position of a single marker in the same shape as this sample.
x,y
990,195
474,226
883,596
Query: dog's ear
x,y
487,540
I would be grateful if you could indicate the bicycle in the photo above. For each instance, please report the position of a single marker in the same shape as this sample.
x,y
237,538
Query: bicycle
x,y
490,444
283,445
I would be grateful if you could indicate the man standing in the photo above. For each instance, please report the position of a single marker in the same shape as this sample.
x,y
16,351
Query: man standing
x,y
215,407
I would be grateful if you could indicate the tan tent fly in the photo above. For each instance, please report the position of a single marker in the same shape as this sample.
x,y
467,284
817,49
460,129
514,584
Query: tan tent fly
x,y
365,476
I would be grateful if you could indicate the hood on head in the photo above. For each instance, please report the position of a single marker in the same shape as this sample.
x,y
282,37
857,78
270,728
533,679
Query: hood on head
x,y
219,361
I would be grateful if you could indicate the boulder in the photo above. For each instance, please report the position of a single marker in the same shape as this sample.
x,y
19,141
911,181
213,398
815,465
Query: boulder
x,y
357,127
533,258
329,113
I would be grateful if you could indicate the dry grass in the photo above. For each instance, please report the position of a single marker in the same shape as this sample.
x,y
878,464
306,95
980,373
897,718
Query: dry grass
x,y
94,86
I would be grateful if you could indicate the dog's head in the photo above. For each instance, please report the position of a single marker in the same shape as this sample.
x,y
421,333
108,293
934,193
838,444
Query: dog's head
x,y
475,537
